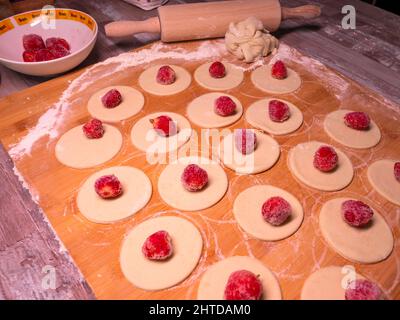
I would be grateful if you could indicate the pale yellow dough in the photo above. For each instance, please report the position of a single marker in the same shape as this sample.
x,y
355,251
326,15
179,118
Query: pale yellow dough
x,y
148,81
264,156
214,280
132,103
233,77
360,139
247,211
329,283
137,191
300,162
262,79
257,115
370,244
145,138
174,194
201,111
381,176
77,151
157,275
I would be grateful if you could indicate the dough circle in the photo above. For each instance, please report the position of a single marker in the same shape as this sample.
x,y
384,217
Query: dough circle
x,y
148,81
201,111
145,138
247,211
174,194
136,194
360,139
75,150
157,275
300,162
264,156
132,103
327,283
370,244
213,282
257,115
233,77
262,79
381,177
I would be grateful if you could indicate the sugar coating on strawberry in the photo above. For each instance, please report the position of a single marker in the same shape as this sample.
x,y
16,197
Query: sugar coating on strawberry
x,y
158,246
217,70
245,140
164,126
108,187
357,120
278,111
28,56
111,99
276,210
396,169
33,42
278,70
166,75
243,285
356,213
59,51
325,159
51,42
194,178
93,129
44,55
362,289
224,106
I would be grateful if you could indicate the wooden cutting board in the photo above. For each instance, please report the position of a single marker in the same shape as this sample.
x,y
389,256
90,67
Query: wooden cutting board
x,y
95,248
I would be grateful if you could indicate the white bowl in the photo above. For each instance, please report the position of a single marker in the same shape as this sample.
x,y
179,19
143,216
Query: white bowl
x,y
77,27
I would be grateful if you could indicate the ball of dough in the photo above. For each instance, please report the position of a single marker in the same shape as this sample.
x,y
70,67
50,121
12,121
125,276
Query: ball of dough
x,y
248,40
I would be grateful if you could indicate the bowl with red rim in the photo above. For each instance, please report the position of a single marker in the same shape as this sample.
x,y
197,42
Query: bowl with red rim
x,y
78,28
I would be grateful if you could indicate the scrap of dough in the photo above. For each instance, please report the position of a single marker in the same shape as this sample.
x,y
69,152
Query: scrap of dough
x,y
148,81
247,211
136,194
300,162
213,282
381,176
360,139
173,193
132,103
75,150
157,275
233,77
248,40
201,111
257,115
370,244
262,79
328,283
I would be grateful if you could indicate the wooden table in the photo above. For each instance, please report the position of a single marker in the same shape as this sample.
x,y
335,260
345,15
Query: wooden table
x,y
369,55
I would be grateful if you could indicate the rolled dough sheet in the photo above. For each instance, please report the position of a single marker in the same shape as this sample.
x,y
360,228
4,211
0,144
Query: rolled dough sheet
x,y
157,275
264,156
381,176
300,162
201,111
370,244
262,79
174,194
360,139
233,77
247,211
75,150
257,115
148,81
145,138
213,282
132,103
136,194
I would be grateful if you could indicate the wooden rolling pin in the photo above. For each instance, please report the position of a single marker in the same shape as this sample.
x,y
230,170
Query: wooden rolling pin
x,y
209,19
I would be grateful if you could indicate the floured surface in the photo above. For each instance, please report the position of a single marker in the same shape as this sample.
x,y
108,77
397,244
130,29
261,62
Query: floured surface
x,y
50,109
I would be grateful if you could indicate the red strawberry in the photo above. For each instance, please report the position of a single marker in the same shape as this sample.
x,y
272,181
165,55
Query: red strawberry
x,y
32,42
361,289
278,111
51,42
43,55
224,106
356,213
112,98
166,75
217,70
164,126
158,246
28,56
276,210
397,171
108,187
194,178
278,70
243,285
325,159
93,129
245,140
357,120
